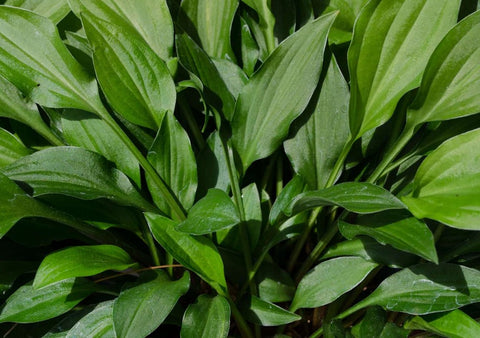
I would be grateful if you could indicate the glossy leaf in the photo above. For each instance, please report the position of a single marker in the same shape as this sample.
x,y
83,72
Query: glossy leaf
x,y
249,48
425,288
29,305
207,318
362,198
198,254
97,323
452,78
316,288
11,149
172,156
34,58
75,172
135,80
320,136
81,261
454,324
55,11
210,21
391,45
279,92
214,212
289,192
266,314
143,306
446,187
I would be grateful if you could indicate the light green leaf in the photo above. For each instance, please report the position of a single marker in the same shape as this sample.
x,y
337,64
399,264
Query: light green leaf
x,y
321,133
11,149
249,48
266,314
425,288
81,261
454,324
207,318
172,156
362,198
451,81
29,305
233,76
34,58
316,288
143,306
198,253
279,92
151,19
214,212
54,10
75,172
404,233
98,323
391,45
135,80
446,187
266,25
210,22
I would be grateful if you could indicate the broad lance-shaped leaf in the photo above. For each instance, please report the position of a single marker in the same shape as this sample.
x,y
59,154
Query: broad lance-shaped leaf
x,y
135,80
29,305
11,149
454,324
151,19
141,307
316,288
451,82
97,323
34,58
55,10
321,133
172,156
404,233
210,21
81,261
446,187
207,318
425,288
392,42
279,92
264,313
75,172
362,198
198,254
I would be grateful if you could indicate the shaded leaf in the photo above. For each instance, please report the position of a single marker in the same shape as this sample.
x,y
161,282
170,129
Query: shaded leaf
x,y
11,270
274,284
97,323
11,149
266,314
208,317
249,48
289,192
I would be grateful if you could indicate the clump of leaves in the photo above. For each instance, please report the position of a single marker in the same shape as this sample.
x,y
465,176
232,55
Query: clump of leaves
x,y
222,168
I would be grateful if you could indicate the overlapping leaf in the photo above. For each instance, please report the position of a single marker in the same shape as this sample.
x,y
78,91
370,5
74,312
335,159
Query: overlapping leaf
x,y
206,318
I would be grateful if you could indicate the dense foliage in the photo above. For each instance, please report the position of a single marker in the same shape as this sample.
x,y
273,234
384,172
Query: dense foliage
x,y
254,168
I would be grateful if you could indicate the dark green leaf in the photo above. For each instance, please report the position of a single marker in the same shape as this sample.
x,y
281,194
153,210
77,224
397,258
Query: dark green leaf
x,y
97,323
289,192
390,330
233,76
274,284
266,25
207,318
249,49
11,149
266,314
11,270
372,324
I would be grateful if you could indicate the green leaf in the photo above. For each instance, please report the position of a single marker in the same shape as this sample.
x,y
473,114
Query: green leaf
x,y
316,288
198,254
274,284
362,198
84,130
214,212
266,25
34,58
30,305
372,324
135,80
143,306
321,133
446,187
390,330
404,233
208,317
266,314
75,172
279,92
97,323
11,270
151,19
425,288
81,261
289,192
55,11
233,76
11,149
391,45
210,21
172,156
453,324
249,48
452,78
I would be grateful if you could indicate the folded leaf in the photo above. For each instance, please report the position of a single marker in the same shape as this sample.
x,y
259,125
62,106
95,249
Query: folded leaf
x,y
81,261
97,323
266,314
446,187
11,149
290,191
207,318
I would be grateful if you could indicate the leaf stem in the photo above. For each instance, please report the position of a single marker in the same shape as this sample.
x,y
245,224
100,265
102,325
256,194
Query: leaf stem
x,y
241,323
187,114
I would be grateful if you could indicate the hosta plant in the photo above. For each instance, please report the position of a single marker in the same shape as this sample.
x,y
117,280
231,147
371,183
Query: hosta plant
x,y
254,168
